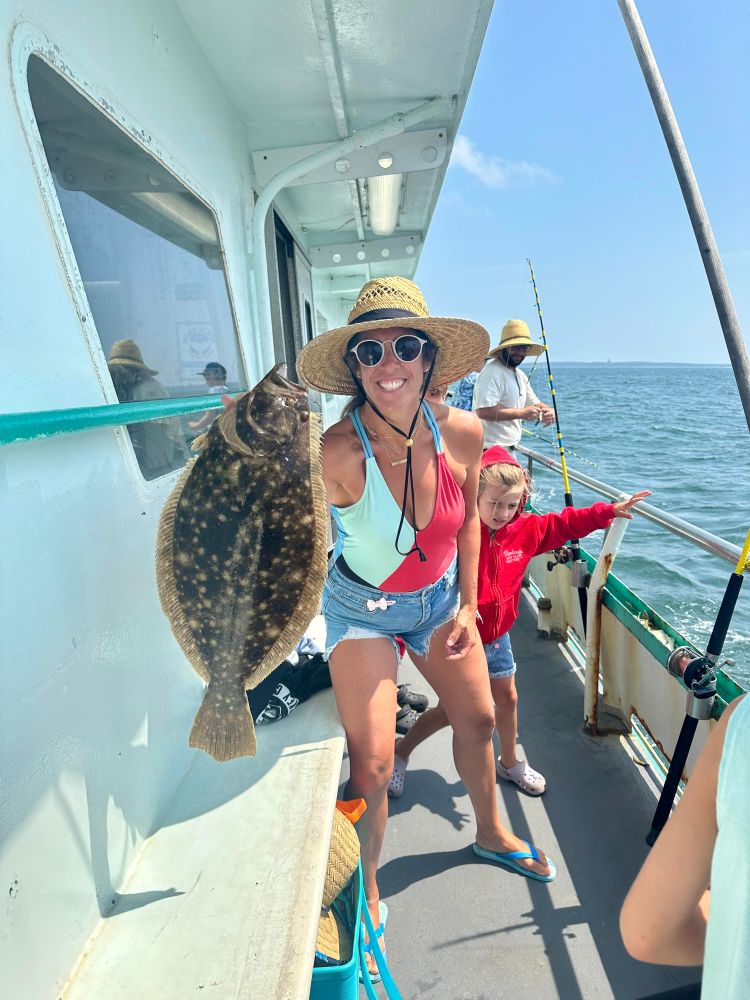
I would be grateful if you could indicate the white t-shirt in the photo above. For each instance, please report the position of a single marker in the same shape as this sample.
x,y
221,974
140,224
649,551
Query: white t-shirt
x,y
509,387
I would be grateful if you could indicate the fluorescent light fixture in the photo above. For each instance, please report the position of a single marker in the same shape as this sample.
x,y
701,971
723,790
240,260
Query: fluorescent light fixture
x,y
188,215
384,201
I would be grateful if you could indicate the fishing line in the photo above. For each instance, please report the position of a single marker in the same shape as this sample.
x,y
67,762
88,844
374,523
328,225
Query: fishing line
x,y
578,567
569,451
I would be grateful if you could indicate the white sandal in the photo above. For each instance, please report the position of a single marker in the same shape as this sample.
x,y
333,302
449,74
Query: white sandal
x,y
521,774
398,776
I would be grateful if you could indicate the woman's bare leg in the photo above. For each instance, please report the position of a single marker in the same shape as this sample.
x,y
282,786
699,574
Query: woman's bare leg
x,y
363,672
464,691
428,723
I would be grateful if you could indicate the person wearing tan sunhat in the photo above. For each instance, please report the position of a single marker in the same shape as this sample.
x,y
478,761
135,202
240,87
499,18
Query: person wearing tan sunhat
x,y
401,476
159,445
503,397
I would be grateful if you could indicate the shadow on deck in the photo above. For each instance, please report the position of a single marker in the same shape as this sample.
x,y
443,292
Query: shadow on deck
x,y
461,929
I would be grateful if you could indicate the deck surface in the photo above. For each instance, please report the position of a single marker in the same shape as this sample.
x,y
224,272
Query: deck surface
x,y
462,929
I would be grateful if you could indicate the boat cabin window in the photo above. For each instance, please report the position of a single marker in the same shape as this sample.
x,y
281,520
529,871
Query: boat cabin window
x,y
152,266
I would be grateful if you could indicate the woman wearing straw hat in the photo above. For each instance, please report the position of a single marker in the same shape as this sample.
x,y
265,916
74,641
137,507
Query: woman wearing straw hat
x,y
401,477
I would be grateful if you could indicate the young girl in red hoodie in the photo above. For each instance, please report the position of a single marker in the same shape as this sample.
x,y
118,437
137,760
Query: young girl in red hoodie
x,y
510,539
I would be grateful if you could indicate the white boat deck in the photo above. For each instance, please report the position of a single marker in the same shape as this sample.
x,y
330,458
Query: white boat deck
x,y
462,929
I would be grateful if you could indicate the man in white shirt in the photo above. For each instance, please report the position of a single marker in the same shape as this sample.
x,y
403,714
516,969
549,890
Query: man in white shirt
x,y
502,394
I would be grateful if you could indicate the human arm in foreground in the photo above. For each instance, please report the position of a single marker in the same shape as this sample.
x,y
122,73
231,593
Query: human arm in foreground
x,y
664,916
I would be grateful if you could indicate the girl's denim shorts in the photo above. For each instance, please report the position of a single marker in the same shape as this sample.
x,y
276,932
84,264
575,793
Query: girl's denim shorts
x,y
354,611
500,657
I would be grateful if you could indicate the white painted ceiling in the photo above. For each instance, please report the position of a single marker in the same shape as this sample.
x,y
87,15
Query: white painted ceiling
x,y
312,71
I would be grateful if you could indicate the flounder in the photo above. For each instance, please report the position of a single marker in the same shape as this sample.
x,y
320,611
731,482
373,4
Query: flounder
x,y
242,553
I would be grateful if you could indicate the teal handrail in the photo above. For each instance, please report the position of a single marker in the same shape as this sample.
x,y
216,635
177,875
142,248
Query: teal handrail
x,y
15,427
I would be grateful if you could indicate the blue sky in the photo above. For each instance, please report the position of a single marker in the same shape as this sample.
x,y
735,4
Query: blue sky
x,y
560,158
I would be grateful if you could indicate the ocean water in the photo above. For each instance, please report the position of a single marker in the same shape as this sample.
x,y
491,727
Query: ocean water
x,y
678,430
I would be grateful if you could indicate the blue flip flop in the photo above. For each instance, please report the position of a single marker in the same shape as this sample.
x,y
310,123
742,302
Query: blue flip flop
x,y
375,977
508,860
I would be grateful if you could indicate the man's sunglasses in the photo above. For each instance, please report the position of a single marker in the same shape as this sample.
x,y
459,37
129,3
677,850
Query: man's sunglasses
x,y
407,348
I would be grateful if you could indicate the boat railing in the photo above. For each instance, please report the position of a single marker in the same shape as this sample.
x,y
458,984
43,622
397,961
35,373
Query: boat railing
x,y
676,525
17,427
619,673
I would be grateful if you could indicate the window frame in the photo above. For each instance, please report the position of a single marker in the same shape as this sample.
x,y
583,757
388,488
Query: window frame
x,y
28,41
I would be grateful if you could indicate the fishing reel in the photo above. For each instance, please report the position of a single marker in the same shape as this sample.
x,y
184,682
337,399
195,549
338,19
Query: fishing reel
x,y
559,556
698,674
580,574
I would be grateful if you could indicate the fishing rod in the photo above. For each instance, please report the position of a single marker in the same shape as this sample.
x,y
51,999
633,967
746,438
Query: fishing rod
x,y
709,252
699,675
578,567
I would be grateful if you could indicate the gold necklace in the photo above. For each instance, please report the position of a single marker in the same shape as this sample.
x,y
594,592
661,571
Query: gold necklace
x,y
408,442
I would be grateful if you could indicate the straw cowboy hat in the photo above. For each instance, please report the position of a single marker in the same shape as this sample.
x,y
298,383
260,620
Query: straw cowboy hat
x,y
335,933
384,303
127,352
516,333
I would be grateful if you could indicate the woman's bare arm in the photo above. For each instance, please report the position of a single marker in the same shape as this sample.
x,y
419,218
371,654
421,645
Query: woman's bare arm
x,y
464,437
664,915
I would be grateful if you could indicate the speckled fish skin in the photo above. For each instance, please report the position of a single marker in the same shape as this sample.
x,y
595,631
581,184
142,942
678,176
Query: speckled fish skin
x,y
242,553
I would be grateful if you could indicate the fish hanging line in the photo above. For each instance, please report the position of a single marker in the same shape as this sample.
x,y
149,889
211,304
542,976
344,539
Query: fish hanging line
x,y
698,673
578,566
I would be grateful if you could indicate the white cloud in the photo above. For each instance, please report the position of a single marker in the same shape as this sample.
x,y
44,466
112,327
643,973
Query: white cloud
x,y
495,171
454,199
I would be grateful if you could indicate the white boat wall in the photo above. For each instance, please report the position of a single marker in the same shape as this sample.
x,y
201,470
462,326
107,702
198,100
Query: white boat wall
x,y
209,103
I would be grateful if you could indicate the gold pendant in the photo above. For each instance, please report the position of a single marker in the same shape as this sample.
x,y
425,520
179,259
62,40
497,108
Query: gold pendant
x,y
400,462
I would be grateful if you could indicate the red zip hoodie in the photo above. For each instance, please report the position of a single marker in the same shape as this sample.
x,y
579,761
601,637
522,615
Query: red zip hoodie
x,y
503,558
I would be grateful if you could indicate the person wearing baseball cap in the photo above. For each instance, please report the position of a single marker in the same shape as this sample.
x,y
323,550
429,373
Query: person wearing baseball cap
x,y
503,397
215,376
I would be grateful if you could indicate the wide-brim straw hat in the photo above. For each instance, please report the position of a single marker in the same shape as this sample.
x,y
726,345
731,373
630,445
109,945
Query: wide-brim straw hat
x,y
127,352
335,938
516,333
343,857
384,303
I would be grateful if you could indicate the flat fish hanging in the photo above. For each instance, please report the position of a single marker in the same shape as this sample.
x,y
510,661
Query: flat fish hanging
x,y
242,553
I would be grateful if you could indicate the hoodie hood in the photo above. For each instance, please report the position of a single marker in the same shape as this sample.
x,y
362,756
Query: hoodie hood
x,y
499,456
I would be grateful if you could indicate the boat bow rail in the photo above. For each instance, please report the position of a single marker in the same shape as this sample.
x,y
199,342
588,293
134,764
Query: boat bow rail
x,y
627,642
676,525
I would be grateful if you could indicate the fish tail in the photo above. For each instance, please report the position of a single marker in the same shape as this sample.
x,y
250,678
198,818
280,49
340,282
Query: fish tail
x,y
223,725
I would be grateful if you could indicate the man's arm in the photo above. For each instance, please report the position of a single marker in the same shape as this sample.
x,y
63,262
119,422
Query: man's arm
x,y
544,413
498,412
491,389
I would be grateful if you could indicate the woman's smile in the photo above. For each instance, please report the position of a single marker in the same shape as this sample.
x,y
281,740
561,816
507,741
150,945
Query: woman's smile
x,y
391,384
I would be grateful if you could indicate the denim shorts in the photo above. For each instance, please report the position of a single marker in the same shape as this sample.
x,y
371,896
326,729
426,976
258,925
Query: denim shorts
x,y
355,611
500,657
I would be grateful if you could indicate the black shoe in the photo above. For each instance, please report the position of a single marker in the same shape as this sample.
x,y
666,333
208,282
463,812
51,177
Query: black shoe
x,y
405,719
411,699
